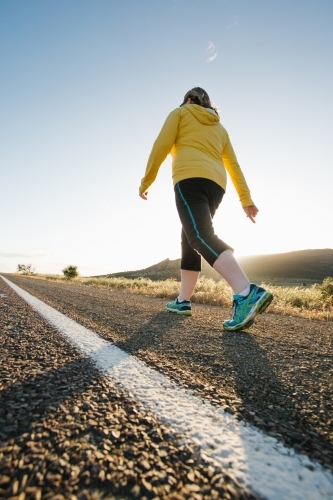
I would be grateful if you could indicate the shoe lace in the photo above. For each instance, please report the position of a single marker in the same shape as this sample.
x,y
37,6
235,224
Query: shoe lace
x,y
236,304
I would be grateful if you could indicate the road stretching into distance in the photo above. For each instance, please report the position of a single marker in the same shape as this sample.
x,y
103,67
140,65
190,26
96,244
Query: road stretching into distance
x,y
105,394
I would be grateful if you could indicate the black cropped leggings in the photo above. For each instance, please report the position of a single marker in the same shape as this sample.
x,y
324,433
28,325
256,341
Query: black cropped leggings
x,y
197,200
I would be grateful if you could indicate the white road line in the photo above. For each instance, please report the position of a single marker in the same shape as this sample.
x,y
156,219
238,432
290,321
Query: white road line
x,y
258,461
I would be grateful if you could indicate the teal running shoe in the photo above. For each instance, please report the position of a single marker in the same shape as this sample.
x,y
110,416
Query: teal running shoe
x,y
177,307
247,308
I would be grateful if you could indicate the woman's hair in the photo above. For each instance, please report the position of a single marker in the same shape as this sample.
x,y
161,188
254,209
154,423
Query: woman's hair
x,y
198,96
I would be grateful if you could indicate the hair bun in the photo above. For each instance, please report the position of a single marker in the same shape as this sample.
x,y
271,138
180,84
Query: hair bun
x,y
198,96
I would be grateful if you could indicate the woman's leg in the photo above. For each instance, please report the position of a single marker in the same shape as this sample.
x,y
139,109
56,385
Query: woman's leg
x,y
187,285
190,267
197,201
227,266
194,199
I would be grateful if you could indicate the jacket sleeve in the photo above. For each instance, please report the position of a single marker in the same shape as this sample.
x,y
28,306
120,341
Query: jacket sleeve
x,y
231,164
161,148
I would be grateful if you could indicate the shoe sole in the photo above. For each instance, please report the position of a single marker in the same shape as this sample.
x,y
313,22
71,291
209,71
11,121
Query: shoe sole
x,y
182,313
260,308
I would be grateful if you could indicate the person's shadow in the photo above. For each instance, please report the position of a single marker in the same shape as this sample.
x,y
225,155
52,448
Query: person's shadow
x,y
153,331
269,402
25,403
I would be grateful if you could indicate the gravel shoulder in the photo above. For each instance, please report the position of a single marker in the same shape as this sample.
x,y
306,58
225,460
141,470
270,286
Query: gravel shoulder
x,y
66,431
278,375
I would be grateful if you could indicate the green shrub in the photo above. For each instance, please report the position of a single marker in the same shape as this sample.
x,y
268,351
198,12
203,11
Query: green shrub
x,y
326,288
70,272
26,269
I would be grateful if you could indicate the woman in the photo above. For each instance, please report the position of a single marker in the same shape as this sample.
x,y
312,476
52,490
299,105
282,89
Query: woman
x,y
202,153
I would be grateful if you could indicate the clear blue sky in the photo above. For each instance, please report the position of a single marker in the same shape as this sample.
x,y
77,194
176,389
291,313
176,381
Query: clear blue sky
x,y
85,87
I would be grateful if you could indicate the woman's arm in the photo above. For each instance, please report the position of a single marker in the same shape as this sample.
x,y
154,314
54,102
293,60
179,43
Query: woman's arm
x,y
161,148
231,164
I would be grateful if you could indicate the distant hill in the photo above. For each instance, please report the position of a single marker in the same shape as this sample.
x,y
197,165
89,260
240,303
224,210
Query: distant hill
x,y
307,264
313,265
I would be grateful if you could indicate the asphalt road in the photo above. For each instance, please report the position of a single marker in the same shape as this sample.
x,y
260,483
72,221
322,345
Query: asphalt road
x,y
55,403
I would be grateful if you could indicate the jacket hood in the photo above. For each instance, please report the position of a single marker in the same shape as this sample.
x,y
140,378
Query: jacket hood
x,y
203,115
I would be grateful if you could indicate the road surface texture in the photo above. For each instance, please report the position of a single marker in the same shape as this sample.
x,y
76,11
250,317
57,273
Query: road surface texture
x,y
66,429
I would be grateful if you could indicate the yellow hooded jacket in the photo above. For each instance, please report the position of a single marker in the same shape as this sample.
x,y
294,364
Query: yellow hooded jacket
x,y
200,147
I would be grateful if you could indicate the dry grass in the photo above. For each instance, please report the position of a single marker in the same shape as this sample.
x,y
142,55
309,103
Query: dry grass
x,y
310,302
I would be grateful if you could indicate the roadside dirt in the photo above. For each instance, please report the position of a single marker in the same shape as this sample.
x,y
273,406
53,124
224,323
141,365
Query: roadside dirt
x,y
277,375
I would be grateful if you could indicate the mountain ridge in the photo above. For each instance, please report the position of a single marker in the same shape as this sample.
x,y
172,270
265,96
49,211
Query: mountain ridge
x,y
314,265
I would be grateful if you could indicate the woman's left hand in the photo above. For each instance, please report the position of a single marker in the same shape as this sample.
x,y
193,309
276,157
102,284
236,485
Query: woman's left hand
x,y
251,212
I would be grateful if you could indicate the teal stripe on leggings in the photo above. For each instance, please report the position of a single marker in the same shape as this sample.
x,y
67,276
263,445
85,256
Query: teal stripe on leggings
x,y
194,224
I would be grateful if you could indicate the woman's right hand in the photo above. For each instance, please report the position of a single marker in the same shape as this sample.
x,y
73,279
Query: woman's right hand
x,y
144,195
